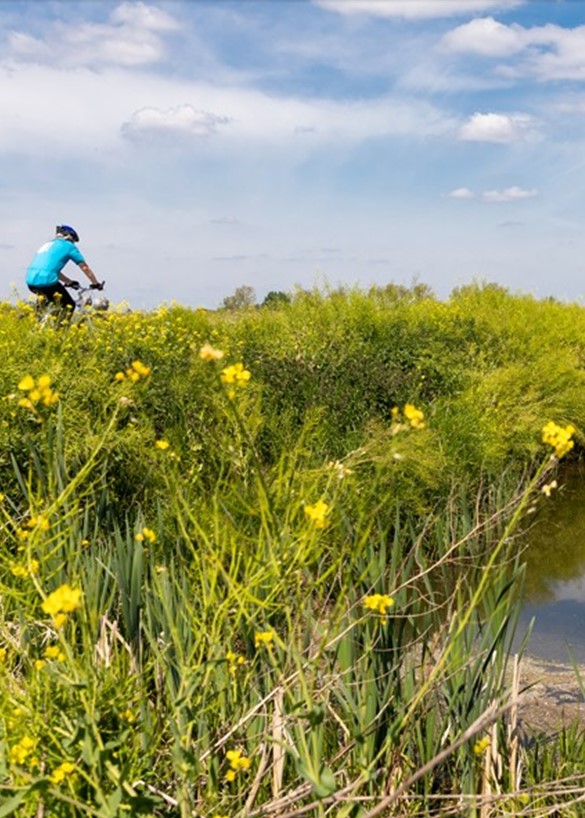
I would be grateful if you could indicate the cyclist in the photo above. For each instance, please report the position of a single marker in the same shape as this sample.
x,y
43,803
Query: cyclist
x,y
44,276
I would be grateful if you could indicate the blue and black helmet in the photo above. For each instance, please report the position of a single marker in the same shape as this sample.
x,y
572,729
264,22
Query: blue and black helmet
x,y
67,232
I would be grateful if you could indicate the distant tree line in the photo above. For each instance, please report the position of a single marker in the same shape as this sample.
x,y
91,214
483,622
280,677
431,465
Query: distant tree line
x,y
244,297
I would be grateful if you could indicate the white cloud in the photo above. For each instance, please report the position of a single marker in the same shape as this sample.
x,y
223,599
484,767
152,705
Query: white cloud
x,y
546,53
565,57
462,193
131,37
501,128
509,194
485,36
105,106
414,9
143,16
182,119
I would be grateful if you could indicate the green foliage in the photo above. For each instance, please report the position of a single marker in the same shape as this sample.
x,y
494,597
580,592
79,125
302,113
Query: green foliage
x,y
243,297
263,562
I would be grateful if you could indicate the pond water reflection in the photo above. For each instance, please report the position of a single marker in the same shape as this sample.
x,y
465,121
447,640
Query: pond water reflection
x,y
555,572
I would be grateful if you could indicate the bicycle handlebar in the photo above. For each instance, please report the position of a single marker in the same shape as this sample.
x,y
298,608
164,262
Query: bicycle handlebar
x,y
75,285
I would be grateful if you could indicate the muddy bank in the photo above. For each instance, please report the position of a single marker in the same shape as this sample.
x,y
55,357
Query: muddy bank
x,y
550,695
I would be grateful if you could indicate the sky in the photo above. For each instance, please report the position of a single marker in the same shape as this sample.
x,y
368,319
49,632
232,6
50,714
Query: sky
x,y
202,145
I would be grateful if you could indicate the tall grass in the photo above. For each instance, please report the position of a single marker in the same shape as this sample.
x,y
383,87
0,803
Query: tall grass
x,y
269,598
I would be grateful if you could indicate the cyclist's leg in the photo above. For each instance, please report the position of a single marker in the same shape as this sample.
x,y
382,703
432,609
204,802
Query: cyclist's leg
x,y
63,298
42,300
55,294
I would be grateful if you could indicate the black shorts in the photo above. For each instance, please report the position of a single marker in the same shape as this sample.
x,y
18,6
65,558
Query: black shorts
x,y
55,294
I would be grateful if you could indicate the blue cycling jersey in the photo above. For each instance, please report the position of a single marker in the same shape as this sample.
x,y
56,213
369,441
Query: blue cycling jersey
x,y
50,259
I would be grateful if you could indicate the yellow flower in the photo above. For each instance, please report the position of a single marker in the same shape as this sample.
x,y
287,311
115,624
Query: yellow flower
x,y
40,522
128,716
414,416
39,392
317,513
481,746
265,638
558,437
63,600
238,763
54,652
208,353
21,753
60,620
26,384
61,772
162,445
234,660
39,664
146,534
378,603
140,369
25,570
119,376
236,375
3,655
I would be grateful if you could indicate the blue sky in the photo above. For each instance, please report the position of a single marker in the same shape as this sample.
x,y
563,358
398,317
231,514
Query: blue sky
x,y
200,145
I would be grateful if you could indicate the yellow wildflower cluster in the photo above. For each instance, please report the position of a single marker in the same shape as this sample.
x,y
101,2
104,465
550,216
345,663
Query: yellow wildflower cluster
x,y
61,772
37,523
61,602
28,570
146,534
54,652
318,513
135,372
37,393
209,353
238,763
235,376
235,661
481,745
560,438
413,418
23,752
264,638
378,603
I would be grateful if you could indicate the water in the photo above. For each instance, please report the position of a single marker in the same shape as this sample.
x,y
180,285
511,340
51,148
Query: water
x,y
555,572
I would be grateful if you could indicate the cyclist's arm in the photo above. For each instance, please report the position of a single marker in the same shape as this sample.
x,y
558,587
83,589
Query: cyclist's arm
x,y
88,272
65,279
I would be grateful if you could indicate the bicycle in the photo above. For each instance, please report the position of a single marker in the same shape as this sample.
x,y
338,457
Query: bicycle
x,y
85,301
86,306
